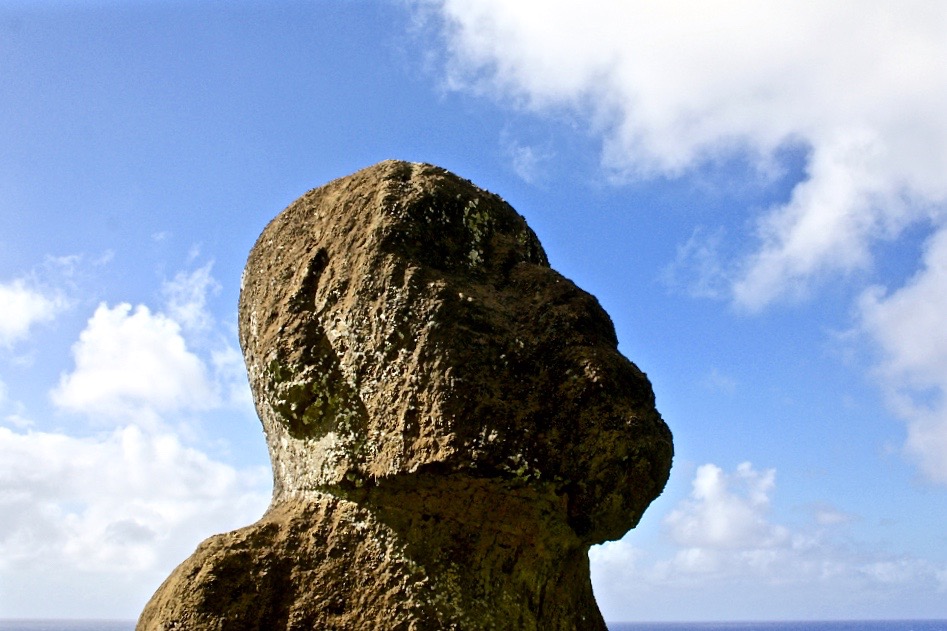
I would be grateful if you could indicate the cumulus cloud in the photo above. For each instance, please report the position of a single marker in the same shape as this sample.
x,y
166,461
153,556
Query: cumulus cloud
x,y
723,539
123,507
726,511
671,86
133,361
89,520
24,306
137,362
908,327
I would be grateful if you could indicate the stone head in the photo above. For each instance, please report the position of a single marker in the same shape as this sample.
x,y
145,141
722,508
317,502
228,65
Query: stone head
x,y
402,321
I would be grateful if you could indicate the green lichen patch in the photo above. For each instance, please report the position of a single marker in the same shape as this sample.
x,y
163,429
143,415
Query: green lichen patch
x,y
479,224
314,399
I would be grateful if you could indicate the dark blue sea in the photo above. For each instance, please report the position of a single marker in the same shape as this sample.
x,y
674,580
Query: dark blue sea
x,y
847,625
67,625
887,625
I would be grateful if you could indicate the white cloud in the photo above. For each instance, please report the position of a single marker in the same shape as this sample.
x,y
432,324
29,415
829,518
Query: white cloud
x,y
728,559
186,296
909,323
133,361
726,511
673,85
23,307
850,199
114,512
92,524
908,327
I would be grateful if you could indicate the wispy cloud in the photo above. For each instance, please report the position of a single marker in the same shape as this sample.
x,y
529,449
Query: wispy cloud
x,y
528,161
699,269
719,381
907,326
186,296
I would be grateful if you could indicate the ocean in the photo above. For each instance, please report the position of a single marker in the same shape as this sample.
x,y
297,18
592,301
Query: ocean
x,y
844,625
67,625
849,625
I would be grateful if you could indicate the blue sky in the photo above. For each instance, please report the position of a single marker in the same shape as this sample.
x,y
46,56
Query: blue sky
x,y
755,192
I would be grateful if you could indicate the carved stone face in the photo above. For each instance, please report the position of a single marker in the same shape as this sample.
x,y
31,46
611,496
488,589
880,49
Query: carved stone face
x,y
403,321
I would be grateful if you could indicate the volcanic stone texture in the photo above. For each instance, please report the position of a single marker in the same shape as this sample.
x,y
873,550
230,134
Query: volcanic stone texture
x,y
449,421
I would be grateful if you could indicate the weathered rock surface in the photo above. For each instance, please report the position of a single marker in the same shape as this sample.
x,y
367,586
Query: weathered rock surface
x,y
450,423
